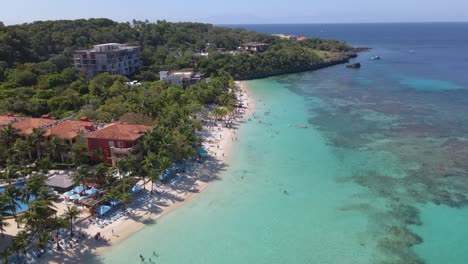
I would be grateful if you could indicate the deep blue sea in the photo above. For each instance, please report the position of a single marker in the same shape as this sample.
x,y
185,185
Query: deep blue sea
x,y
379,176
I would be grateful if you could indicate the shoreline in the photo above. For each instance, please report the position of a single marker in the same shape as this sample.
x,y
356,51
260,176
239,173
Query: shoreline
x,y
217,140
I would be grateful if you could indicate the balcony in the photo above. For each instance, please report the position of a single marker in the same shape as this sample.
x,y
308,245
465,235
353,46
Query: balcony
x,y
120,151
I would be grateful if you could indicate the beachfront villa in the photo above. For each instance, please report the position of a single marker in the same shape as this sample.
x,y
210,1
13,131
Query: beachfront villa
x,y
116,140
182,78
114,58
252,47
26,126
72,131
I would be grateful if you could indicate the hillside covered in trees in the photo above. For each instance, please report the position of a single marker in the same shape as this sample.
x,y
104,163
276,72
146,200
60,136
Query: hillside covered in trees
x,y
37,76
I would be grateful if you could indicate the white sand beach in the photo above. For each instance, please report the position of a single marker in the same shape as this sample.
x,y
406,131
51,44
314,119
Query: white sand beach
x,y
218,141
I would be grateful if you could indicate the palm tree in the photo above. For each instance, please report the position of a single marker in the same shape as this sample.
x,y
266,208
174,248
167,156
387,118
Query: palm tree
x,y
123,167
5,254
126,199
56,148
22,148
101,171
80,175
8,135
4,206
31,219
76,153
154,175
35,139
46,197
11,195
33,187
10,173
125,185
164,163
3,224
149,164
20,242
43,241
58,223
98,154
111,180
113,194
71,214
40,210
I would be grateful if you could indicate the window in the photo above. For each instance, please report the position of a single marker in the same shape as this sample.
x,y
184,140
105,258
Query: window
x,y
85,56
83,140
111,143
120,144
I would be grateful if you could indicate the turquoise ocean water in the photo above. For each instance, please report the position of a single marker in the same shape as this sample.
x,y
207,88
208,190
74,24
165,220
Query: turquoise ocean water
x,y
379,176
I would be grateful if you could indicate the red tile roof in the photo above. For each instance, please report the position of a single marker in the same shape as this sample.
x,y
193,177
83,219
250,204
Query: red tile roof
x,y
119,131
8,119
25,126
69,129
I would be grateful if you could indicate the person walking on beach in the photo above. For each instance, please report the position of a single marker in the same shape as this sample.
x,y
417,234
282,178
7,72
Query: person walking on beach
x,y
112,232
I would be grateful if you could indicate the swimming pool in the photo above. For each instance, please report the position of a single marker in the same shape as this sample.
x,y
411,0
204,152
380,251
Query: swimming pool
x,y
21,205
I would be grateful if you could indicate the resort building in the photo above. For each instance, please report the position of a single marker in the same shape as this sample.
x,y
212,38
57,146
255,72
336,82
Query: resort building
x,y
301,38
72,132
26,126
181,78
115,140
114,58
289,37
8,119
252,47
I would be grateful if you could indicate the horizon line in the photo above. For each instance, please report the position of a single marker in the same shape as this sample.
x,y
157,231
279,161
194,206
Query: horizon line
x,y
318,23
233,24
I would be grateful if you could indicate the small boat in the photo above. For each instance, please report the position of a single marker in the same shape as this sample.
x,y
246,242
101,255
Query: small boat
x,y
376,58
412,51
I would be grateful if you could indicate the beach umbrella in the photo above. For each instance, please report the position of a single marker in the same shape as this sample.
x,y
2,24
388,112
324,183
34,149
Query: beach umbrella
x,y
91,191
168,173
179,166
78,189
202,152
69,193
114,202
74,197
136,188
102,210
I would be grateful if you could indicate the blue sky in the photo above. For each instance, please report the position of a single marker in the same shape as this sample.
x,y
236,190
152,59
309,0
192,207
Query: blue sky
x,y
238,11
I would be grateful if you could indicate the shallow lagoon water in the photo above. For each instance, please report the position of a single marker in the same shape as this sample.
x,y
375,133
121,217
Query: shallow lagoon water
x,y
247,218
379,176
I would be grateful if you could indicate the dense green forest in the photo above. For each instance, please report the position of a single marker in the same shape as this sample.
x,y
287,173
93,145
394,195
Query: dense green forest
x,y
37,77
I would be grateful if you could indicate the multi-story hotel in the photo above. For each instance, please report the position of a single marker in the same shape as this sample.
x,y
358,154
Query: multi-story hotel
x,y
114,58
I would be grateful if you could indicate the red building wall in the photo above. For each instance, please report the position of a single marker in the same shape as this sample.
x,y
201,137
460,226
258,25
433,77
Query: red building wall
x,y
101,143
